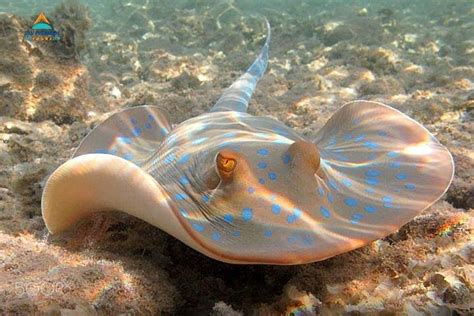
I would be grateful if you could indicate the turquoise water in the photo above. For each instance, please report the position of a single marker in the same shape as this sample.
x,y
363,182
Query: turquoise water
x,y
235,28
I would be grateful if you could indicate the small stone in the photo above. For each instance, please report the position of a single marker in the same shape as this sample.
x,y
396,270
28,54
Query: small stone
x,y
410,38
4,83
362,12
4,193
115,92
185,81
46,79
338,34
17,127
383,86
127,80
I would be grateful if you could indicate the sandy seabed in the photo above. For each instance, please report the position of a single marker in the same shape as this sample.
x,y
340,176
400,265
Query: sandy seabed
x,y
418,58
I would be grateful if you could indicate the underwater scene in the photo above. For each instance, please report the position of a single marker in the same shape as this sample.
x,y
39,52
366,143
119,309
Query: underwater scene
x,y
224,157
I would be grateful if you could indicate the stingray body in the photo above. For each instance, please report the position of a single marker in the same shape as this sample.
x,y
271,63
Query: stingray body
x,y
246,189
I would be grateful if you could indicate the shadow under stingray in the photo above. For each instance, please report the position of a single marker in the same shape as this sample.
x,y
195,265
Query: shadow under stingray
x,y
202,281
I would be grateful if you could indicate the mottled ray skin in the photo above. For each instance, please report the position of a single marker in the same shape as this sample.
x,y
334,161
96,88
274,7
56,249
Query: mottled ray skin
x,y
246,189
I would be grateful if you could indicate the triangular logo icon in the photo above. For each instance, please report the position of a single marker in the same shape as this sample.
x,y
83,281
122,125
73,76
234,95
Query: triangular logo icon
x,y
41,18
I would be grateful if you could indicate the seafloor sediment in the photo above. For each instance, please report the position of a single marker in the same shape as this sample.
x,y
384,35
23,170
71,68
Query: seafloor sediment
x,y
417,57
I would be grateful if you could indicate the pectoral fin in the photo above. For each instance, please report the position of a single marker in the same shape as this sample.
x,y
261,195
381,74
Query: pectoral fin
x,y
133,134
379,168
97,182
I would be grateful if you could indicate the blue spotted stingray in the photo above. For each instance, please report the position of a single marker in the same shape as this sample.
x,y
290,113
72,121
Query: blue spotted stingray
x,y
246,189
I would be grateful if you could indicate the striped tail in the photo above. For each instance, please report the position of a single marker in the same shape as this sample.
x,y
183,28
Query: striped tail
x,y
237,96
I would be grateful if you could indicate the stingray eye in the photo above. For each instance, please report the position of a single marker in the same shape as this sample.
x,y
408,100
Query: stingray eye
x,y
224,164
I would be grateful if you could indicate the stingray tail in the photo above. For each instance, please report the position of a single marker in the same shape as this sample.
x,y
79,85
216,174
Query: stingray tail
x,y
237,96
376,159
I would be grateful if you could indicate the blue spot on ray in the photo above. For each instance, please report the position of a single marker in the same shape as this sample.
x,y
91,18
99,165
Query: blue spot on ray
x,y
236,234
410,186
148,125
102,151
261,181
293,217
325,212
184,180
321,191
262,151
388,200
262,165
198,227
351,202
247,214
272,176
169,159
268,233
370,208
251,190
292,239
286,158
330,198
228,218
394,165
372,181
205,198
393,154
276,208
401,176
134,120
373,173
216,236
184,159
163,131
137,131
180,196
371,145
